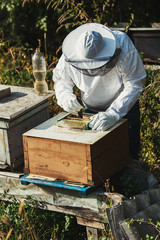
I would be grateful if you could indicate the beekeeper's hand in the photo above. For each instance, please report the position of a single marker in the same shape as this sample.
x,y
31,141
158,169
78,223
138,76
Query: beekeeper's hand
x,y
72,105
102,121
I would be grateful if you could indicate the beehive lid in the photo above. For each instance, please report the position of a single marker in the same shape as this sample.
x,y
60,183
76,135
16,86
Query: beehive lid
x,y
20,100
49,130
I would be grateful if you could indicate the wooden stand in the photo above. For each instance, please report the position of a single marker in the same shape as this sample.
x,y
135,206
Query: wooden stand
x,y
91,215
92,227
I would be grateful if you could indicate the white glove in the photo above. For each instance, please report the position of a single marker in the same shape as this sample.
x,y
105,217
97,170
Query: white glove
x,y
102,121
71,104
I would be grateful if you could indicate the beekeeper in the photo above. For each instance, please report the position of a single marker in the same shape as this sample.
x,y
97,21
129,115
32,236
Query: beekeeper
x,y
108,70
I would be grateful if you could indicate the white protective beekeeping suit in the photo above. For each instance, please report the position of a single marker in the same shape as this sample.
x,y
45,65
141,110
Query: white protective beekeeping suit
x,y
110,82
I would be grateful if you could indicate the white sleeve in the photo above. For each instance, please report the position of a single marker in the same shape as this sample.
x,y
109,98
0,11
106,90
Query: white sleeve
x,y
133,75
63,84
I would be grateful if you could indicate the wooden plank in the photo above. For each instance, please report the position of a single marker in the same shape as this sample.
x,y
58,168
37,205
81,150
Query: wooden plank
x,y
26,157
4,147
68,150
5,91
85,190
74,211
43,178
89,165
79,212
92,233
89,223
59,159
11,174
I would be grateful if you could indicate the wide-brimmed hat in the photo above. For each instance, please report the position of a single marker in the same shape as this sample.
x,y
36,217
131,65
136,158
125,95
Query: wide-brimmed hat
x,y
89,46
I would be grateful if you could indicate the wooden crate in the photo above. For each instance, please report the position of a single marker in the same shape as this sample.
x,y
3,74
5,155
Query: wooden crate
x,y
84,156
20,110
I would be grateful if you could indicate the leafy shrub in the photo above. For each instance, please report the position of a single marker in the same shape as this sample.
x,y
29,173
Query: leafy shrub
x,y
150,121
15,65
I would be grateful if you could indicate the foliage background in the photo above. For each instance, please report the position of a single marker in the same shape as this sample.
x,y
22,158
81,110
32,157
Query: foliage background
x,y
23,22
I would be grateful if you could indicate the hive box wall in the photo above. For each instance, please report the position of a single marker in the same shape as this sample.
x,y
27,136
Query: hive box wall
x,y
110,154
58,159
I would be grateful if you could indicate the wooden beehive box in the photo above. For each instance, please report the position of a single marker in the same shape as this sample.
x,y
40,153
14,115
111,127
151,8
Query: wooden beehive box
x,y
84,156
20,110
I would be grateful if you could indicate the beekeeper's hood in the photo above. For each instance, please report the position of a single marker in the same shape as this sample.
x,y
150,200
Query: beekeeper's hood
x,y
89,46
